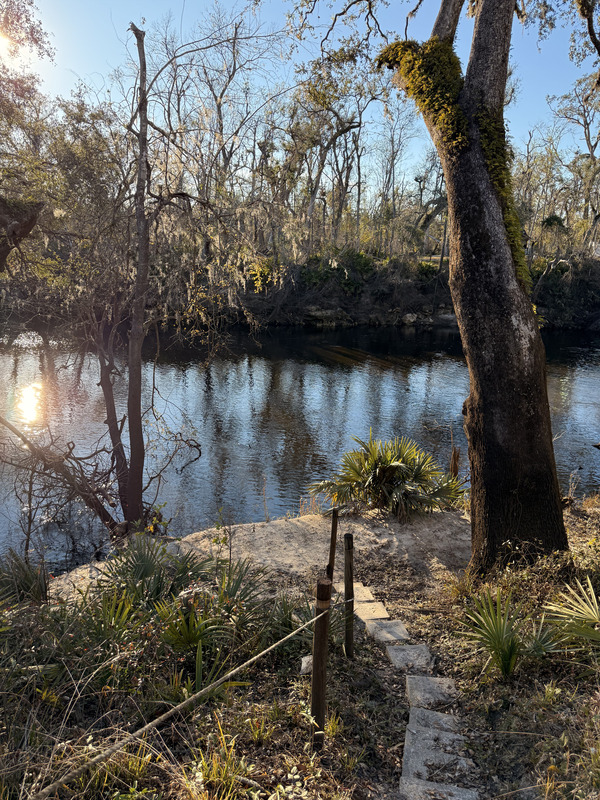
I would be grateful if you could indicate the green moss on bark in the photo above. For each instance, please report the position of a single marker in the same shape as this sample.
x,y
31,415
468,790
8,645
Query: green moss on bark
x,y
432,77
498,157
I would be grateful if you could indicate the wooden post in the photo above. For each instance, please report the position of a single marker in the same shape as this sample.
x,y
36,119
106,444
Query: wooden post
x,y
332,543
349,593
319,668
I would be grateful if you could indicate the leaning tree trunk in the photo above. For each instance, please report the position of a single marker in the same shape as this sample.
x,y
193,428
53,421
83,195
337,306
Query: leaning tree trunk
x,y
515,499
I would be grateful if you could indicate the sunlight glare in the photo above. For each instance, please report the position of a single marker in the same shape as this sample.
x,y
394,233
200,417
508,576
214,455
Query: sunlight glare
x,y
5,49
29,403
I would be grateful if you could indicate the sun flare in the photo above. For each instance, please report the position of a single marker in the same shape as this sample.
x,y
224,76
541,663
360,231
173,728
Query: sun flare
x,y
29,402
5,49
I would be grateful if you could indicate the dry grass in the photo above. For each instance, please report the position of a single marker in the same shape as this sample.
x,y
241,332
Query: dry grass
x,y
79,676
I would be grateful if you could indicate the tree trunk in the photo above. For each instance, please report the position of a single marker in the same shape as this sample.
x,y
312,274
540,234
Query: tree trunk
x,y
135,508
514,489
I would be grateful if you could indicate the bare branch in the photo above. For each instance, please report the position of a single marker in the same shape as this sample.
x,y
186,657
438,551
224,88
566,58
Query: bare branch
x,y
66,466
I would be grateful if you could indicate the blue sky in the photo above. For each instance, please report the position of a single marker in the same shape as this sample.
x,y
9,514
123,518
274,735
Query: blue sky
x,y
90,40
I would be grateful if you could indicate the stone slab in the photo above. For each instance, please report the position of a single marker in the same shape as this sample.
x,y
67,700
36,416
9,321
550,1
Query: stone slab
x,y
410,657
387,630
411,789
429,753
426,718
362,594
367,611
427,692
306,666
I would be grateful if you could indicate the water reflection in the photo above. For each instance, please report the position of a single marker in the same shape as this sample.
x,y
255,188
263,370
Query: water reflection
x,y
29,399
273,415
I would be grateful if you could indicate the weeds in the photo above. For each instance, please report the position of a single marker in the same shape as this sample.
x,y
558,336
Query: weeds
x,y
79,673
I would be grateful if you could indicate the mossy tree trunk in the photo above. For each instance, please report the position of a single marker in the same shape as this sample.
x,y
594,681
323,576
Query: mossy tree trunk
x,y
514,489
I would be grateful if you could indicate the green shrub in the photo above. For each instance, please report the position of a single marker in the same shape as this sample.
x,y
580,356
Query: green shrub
x,y
146,572
498,627
426,271
21,581
495,627
578,612
263,272
394,475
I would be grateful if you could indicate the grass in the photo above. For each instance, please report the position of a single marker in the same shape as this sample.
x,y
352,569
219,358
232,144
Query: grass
x,y
79,673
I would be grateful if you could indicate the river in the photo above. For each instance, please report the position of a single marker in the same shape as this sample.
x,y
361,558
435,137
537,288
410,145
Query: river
x,y
274,413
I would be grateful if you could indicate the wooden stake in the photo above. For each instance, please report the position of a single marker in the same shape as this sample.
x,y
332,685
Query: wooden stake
x,y
349,593
319,669
332,543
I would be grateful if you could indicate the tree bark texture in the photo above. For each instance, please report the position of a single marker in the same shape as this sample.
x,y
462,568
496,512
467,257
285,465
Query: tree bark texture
x,y
514,489
515,495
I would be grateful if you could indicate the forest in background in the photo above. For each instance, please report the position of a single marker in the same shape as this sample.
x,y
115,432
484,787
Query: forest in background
x,y
306,196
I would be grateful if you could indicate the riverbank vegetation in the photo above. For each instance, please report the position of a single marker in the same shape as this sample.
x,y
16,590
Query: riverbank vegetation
x,y
269,199
82,669
529,674
396,476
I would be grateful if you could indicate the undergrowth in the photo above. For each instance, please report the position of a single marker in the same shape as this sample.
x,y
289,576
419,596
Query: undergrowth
x,y
80,671
524,648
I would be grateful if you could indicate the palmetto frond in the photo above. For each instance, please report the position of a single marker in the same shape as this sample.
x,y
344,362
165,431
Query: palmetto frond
x,y
394,474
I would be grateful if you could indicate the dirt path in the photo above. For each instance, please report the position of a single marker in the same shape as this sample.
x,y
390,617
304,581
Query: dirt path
x,y
297,549
434,544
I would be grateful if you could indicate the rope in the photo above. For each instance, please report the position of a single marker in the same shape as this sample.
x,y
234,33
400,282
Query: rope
x,y
132,737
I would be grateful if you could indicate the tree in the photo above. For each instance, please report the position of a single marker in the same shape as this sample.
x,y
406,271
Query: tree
x,y
21,28
514,489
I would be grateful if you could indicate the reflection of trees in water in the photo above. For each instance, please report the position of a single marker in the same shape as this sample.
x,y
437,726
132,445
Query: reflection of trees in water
x,y
289,414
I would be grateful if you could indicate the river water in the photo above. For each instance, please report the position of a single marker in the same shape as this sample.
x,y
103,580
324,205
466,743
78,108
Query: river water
x,y
275,413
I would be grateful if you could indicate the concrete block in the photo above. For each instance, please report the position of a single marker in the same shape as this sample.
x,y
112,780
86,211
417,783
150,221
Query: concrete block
x,y
362,594
429,753
427,692
410,657
411,789
306,666
433,719
366,611
387,630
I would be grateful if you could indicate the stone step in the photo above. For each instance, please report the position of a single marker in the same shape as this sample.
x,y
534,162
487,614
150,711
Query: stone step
x,y
433,719
387,630
367,611
362,594
412,789
426,692
413,657
431,754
